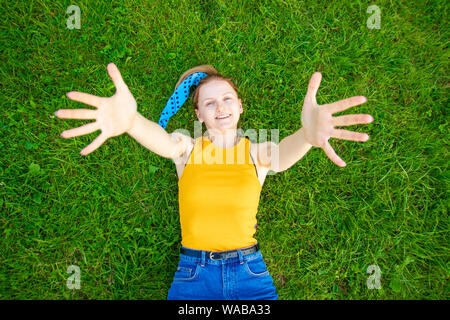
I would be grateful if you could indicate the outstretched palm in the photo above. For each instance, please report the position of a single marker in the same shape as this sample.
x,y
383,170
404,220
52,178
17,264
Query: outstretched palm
x,y
318,122
114,115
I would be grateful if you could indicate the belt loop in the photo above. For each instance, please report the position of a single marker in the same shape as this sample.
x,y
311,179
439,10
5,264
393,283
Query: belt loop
x,y
203,258
241,256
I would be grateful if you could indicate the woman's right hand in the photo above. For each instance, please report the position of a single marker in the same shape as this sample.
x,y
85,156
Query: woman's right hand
x,y
114,115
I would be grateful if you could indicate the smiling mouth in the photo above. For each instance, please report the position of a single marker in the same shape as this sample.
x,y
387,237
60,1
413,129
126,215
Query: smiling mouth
x,y
223,117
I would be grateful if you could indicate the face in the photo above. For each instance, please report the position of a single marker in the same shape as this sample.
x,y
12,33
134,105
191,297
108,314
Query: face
x,y
218,105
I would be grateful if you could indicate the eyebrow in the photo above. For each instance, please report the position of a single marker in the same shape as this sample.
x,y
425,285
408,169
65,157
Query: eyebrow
x,y
222,95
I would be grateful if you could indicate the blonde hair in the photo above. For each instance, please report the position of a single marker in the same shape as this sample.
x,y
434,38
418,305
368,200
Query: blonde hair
x,y
212,73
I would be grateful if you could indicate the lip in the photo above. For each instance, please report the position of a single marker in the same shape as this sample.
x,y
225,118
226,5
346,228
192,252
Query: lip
x,y
229,115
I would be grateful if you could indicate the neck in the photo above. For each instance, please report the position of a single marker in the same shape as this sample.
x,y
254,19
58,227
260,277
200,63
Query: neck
x,y
226,138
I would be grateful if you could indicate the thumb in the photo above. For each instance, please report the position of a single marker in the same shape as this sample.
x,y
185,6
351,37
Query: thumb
x,y
116,77
313,86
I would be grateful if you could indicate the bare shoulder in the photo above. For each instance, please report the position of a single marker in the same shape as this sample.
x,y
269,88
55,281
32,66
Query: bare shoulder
x,y
263,153
186,144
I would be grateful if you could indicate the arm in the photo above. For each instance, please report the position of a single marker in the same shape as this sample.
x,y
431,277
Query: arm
x,y
282,156
152,136
292,149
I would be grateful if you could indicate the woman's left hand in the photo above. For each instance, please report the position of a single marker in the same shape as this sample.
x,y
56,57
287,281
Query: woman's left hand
x,y
318,122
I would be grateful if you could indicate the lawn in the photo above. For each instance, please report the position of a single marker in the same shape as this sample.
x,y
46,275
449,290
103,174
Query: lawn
x,y
114,213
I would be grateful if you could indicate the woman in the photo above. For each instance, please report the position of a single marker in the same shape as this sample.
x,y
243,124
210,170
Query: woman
x,y
220,174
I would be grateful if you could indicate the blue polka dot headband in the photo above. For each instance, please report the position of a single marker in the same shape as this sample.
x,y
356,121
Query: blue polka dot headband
x,y
178,97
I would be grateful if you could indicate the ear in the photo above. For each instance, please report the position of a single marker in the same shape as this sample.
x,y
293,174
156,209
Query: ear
x,y
240,108
198,115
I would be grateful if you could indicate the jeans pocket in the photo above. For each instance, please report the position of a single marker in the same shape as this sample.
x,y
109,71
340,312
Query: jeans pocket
x,y
256,267
186,271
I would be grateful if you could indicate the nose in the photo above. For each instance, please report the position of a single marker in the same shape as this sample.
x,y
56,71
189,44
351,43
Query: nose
x,y
219,106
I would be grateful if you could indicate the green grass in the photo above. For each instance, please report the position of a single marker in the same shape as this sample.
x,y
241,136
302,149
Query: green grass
x,y
319,226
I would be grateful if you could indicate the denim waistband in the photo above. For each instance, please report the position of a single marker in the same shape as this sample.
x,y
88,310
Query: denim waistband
x,y
206,259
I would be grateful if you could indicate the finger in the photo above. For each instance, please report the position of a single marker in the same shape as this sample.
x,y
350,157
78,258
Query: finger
x,y
349,135
313,86
342,105
86,129
329,151
116,77
76,114
94,144
85,98
352,119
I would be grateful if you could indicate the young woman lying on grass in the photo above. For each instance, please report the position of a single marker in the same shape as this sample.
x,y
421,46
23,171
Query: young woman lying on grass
x,y
220,173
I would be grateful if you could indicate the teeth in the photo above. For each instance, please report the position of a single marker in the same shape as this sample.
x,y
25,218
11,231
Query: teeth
x,y
223,117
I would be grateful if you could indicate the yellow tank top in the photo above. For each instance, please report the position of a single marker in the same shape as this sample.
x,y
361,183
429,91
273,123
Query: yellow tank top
x,y
218,197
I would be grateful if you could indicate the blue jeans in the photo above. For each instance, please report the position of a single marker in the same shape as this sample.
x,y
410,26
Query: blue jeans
x,y
240,278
